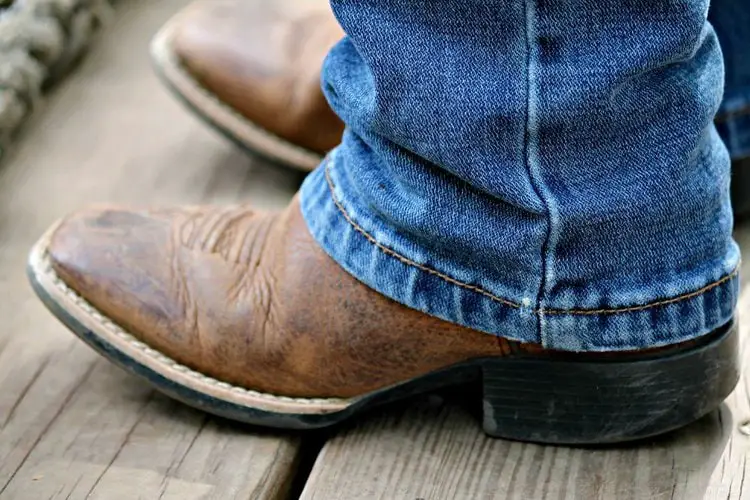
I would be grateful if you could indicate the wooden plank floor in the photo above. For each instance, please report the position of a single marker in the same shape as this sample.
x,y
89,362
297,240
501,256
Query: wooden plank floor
x,y
72,426
435,449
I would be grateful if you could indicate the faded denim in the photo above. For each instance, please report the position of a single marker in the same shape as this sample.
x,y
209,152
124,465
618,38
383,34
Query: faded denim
x,y
545,171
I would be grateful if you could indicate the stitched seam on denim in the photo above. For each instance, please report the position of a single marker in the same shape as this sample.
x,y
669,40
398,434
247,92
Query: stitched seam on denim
x,y
403,259
578,312
661,303
534,181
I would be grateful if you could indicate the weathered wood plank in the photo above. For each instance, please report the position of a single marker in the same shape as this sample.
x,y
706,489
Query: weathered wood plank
x,y
728,478
118,439
434,449
71,425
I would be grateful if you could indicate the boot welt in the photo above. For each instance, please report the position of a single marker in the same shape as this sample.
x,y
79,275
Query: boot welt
x,y
222,117
546,400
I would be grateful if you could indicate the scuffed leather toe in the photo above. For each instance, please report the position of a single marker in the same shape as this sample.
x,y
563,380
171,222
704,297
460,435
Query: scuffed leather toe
x,y
117,260
252,300
174,279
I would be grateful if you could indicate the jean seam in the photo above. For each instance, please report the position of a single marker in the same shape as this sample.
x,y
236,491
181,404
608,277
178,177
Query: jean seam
x,y
453,281
535,178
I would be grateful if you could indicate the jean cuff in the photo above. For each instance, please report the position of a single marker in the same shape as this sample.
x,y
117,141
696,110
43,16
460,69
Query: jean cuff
x,y
358,242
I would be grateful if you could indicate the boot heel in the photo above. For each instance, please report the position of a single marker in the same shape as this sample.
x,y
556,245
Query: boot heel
x,y
581,402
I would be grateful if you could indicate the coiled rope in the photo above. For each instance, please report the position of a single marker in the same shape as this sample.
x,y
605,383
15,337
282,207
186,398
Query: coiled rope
x,y
40,40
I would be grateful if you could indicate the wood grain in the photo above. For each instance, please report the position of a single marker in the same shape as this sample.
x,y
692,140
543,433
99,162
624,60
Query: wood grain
x,y
71,425
727,480
434,449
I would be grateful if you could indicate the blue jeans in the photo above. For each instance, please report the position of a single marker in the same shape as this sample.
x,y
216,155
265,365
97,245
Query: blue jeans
x,y
544,171
731,19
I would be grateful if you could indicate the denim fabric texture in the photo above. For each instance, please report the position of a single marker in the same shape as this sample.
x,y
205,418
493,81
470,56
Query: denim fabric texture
x,y
731,19
545,171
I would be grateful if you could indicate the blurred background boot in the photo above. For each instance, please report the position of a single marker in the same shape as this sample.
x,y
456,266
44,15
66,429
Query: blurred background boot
x,y
251,69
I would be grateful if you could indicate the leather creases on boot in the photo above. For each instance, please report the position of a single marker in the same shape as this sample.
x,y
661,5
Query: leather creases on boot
x,y
243,315
251,299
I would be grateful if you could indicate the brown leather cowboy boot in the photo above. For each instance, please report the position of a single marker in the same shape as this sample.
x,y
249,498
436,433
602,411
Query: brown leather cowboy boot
x,y
243,315
251,68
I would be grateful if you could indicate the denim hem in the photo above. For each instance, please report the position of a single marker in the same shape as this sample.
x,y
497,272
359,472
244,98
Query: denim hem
x,y
658,322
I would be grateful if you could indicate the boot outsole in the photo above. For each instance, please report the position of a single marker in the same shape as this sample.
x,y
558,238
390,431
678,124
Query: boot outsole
x,y
552,401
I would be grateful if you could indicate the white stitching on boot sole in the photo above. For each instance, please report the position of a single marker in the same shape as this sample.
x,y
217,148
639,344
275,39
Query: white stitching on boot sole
x,y
41,265
222,115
